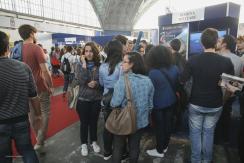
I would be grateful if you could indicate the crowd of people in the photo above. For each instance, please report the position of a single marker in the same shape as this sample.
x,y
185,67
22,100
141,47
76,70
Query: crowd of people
x,y
156,76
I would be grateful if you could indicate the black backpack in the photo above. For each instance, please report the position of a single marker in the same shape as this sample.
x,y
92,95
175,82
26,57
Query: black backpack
x,y
65,66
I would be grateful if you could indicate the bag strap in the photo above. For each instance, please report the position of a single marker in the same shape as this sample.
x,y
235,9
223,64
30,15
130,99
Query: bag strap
x,y
169,80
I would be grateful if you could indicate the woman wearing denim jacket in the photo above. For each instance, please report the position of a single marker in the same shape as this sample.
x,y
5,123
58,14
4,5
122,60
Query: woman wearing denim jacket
x,y
164,75
88,105
142,95
109,73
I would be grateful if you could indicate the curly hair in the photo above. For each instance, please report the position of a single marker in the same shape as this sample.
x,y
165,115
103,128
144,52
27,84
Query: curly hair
x,y
240,38
159,57
95,50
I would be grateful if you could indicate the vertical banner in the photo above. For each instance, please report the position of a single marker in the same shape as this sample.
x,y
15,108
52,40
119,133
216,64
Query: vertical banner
x,y
179,31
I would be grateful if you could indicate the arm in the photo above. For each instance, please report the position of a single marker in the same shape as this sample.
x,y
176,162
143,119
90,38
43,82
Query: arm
x,y
40,57
119,93
187,73
47,75
151,94
34,100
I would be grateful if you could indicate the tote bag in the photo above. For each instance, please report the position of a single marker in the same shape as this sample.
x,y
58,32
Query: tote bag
x,y
122,121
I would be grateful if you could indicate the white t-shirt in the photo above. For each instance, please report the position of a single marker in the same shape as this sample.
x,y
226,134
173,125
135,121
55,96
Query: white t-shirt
x,y
71,59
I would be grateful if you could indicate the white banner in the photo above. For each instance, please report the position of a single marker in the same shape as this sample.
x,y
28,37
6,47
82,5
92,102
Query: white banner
x,y
70,39
188,16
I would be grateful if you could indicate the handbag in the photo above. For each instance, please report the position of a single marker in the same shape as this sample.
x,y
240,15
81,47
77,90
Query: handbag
x,y
122,121
107,98
73,97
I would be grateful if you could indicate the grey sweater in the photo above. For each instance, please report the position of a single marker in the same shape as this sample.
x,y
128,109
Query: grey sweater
x,y
83,77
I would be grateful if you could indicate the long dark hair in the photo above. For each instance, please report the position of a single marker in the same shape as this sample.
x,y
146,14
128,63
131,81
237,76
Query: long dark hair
x,y
95,50
159,57
114,50
138,63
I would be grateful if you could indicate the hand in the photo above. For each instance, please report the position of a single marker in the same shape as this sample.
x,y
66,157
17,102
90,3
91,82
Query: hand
x,y
37,123
92,84
50,91
231,88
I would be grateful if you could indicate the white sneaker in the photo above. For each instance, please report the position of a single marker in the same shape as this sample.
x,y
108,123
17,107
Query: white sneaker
x,y
95,147
165,150
155,153
39,147
84,150
107,157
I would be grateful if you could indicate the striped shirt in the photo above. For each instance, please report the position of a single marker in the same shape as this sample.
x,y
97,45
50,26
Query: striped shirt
x,y
16,86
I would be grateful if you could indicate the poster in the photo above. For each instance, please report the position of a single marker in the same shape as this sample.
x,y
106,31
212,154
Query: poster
x,y
179,31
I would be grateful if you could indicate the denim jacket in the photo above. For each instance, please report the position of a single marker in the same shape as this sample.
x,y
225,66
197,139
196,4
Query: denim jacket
x,y
106,80
142,95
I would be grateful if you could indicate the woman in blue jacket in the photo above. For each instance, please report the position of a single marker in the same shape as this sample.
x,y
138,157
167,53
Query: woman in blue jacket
x,y
164,76
109,73
142,96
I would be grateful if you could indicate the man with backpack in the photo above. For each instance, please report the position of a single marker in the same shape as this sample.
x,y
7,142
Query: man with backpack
x,y
34,57
67,68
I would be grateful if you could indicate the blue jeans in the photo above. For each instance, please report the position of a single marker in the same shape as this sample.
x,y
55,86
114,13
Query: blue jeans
x,y
202,122
20,133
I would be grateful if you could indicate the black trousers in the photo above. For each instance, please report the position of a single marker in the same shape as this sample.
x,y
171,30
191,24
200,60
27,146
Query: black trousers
x,y
241,133
162,119
88,112
222,130
107,136
133,144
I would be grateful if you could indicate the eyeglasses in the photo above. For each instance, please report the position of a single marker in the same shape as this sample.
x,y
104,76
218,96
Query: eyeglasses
x,y
126,62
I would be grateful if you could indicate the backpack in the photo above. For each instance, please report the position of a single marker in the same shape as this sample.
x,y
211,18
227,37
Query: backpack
x,y
17,52
65,66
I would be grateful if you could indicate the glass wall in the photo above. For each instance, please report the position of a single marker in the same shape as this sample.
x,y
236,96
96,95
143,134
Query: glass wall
x,y
74,11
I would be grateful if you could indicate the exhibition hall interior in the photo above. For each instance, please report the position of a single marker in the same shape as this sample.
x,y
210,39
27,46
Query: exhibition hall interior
x,y
121,81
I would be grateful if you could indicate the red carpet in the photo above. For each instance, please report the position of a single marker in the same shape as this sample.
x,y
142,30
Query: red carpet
x,y
58,81
60,117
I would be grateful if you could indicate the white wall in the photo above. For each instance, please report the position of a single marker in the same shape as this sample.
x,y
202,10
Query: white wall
x,y
241,29
43,38
46,40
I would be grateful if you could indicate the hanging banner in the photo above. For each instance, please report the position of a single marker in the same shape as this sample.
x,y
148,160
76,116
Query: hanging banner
x,y
188,16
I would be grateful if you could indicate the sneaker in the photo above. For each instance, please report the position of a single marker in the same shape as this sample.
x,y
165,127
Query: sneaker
x,y
107,156
84,150
39,147
155,153
166,149
125,157
95,147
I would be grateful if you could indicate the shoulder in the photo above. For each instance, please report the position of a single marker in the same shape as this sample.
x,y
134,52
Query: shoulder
x,y
154,72
19,65
35,47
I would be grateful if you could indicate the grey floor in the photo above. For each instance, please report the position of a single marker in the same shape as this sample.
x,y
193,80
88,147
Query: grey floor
x,y
64,147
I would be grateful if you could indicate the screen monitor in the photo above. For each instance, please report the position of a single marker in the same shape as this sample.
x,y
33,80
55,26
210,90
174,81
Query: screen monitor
x,y
195,42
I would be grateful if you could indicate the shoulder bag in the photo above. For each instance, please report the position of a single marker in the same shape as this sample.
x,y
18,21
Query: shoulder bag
x,y
122,121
